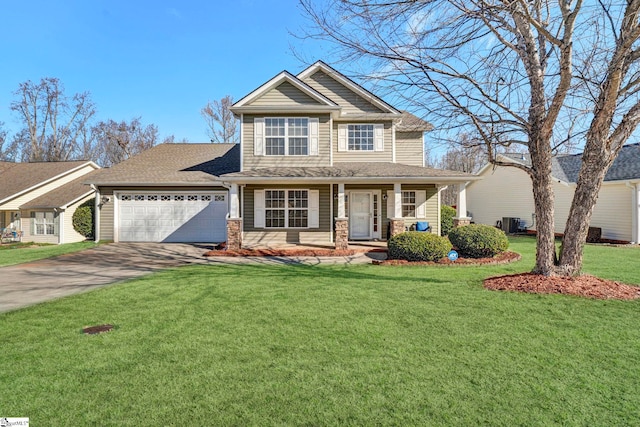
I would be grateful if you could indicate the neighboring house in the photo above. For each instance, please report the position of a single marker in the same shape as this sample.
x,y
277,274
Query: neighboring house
x,y
507,192
320,160
38,199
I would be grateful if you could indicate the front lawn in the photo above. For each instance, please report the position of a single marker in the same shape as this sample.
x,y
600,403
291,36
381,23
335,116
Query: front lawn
x,y
18,253
305,345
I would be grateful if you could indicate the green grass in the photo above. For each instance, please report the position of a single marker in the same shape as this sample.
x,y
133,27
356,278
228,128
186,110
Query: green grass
x,y
13,253
303,345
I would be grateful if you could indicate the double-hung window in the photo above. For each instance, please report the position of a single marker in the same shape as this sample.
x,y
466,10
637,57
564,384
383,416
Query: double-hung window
x,y
44,223
360,138
286,136
286,208
408,204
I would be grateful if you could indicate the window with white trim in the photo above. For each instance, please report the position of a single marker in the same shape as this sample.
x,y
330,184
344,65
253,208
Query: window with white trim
x,y
44,223
286,208
360,138
286,136
408,204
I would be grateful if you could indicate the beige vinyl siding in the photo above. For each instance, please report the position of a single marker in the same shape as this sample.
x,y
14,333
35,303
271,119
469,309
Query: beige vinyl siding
x,y
508,192
27,228
251,161
363,156
70,234
285,94
431,204
351,102
613,212
14,204
409,148
267,237
107,216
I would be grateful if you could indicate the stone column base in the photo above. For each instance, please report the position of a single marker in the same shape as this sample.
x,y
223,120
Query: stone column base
x,y
234,234
397,226
460,222
342,233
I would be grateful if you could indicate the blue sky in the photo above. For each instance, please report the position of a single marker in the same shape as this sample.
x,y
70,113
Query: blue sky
x,y
161,60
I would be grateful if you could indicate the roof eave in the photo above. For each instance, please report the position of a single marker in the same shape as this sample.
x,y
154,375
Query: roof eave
x,y
352,180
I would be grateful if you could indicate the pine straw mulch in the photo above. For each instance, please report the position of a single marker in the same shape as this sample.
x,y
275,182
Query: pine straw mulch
x,y
584,286
502,258
301,252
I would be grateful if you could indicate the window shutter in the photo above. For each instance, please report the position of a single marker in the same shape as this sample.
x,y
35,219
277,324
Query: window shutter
x,y
314,125
258,208
378,137
33,223
421,204
342,137
391,205
314,208
56,224
258,136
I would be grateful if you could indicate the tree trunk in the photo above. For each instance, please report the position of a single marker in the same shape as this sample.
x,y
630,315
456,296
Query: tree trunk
x,y
595,164
544,206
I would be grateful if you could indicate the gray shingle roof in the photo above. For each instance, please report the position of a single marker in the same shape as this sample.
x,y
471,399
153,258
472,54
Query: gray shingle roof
x,y
62,195
173,164
566,167
353,170
411,123
18,177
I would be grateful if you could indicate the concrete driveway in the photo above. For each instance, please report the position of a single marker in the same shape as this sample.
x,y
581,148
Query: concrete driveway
x,y
26,284
34,282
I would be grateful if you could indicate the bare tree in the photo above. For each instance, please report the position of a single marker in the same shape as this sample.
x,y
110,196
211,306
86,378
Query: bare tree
x,y
52,121
222,125
8,152
539,74
119,141
465,154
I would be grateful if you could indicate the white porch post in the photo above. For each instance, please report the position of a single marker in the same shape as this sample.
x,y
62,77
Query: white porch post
x,y
461,207
234,202
341,209
397,200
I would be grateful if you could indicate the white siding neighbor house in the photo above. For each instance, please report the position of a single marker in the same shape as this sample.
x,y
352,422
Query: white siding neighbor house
x,y
506,192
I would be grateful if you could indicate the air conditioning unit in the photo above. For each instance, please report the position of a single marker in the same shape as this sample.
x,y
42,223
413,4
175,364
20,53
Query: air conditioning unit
x,y
510,225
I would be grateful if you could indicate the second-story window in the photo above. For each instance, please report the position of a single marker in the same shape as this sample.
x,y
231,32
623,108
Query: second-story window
x,y
360,137
286,136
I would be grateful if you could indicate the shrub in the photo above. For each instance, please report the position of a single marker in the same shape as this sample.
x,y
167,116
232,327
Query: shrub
x,y
418,246
446,219
478,240
83,219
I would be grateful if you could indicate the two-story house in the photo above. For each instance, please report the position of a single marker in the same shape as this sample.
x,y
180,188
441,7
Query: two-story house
x,y
321,160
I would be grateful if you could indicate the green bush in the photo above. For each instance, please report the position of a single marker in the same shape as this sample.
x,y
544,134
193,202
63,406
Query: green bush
x,y
418,246
478,240
83,219
447,213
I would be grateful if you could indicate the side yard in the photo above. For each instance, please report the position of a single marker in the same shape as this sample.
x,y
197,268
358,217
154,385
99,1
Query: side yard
x,y
18,253
331,345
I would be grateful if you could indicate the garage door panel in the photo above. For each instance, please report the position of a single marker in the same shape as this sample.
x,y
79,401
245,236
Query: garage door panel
x,y
173,217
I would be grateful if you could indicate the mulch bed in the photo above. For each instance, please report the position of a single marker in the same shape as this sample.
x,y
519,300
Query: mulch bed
x,y
91,330
584,286
503,258
283,252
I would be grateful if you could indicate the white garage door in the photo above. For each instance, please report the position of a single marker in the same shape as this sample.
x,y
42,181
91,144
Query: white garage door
x,y
172,217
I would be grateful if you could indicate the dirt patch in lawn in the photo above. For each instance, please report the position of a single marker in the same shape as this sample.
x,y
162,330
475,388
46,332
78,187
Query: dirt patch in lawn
x,y
314,252
584,286
503,258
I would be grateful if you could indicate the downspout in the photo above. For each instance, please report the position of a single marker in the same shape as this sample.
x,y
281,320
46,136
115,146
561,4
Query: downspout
x,y
96,213
635,211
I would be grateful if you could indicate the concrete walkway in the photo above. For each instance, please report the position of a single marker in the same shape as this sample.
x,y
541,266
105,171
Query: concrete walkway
x,y
34,282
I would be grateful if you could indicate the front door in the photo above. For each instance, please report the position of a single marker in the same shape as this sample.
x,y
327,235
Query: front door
x,y
360,214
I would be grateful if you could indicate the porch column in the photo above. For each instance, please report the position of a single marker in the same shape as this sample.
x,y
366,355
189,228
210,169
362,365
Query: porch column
x,y
397,222
461,208
342,222
234,222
